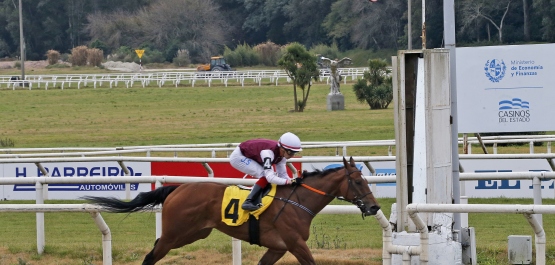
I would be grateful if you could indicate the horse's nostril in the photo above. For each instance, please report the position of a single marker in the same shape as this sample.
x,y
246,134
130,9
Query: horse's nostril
x,y
375,208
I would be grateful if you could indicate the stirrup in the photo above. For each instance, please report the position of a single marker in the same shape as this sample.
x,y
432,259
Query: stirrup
x,y
250,206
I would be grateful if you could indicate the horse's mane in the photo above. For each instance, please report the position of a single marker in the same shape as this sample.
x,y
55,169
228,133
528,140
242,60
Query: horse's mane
x,y
321,173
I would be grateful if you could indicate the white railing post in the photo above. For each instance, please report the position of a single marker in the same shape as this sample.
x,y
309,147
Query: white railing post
x,y
40,219
106,238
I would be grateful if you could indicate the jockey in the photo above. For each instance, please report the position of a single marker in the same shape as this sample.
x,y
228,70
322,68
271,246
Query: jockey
x,y
255,157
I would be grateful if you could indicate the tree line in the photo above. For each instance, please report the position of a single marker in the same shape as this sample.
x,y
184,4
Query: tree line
x,y
204,28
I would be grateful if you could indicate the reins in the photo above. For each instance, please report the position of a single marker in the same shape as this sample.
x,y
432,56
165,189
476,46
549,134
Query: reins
x,y
356,201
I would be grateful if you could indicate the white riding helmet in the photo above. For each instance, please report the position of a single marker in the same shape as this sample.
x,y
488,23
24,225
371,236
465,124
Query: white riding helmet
x,y
290,141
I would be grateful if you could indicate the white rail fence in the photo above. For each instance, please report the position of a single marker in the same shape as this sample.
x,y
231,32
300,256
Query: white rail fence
x,y
341,148
160,79
526,210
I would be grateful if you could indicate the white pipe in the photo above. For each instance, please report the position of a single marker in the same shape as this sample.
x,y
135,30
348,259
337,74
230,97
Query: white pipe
x,y
507,175
537,190
387,239
388,248
45,174
236,247
370,168
208,169
158,215
40,219
127,184
203,160
481,208
106,238
423,229
464,216
293,170
540,238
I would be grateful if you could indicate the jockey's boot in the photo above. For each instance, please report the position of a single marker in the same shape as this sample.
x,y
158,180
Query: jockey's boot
x,y
251,203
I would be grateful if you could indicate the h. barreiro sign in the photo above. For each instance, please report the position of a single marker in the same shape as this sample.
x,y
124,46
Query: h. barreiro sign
x,y
505,88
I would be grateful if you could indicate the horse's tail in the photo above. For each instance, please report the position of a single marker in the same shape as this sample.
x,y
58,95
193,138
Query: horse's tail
x,y
142,201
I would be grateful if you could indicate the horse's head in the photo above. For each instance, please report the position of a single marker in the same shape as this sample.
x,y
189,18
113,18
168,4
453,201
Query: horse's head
x,y
357,189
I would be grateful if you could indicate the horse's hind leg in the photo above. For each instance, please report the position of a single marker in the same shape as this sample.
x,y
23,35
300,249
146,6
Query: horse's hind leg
x,y
166,243
271,257
148,258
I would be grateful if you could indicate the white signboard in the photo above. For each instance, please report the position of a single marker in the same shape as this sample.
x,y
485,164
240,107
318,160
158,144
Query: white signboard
x,y
474,188
73,170
506,88
506,188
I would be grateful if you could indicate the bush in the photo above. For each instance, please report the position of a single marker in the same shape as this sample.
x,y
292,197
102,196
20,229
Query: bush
x,y
7,142
243,55
182,58
268,53
153,56
95,57
100,45
79,56
123,53
52,57
331,52
376,87
65,57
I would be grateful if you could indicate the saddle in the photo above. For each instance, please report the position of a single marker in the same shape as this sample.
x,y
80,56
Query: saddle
x,y
233,198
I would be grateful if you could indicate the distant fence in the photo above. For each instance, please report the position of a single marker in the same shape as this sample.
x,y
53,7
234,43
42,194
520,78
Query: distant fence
x,y
160,79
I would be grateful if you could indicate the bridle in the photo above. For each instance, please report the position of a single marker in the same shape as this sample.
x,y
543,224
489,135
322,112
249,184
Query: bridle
x,y
356,200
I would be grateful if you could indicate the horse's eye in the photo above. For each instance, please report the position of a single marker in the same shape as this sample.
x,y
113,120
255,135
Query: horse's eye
x,y
358,181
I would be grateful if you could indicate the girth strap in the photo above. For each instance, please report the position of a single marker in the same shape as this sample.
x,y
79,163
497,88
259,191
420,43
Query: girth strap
x,y
254,230
296,204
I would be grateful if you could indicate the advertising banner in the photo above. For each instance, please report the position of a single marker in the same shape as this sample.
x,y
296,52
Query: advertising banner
x,y
505,88
73,170
472,189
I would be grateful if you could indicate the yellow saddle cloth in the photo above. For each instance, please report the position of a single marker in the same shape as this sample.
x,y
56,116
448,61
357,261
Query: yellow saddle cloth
x,y
233,214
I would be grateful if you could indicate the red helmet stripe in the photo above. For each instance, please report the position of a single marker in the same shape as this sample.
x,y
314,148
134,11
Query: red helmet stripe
x,y
293,148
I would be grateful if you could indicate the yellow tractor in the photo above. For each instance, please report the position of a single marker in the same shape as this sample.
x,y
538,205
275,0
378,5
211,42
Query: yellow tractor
x,y
217,64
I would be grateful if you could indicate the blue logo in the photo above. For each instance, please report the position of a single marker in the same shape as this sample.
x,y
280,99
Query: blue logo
x,y
515,103
495,70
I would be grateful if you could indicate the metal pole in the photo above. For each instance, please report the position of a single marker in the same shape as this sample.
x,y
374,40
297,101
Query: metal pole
x,y
423,24
21,42
409,31
449,35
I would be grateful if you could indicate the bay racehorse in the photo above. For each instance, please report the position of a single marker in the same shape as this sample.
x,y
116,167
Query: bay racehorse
x,y
190,212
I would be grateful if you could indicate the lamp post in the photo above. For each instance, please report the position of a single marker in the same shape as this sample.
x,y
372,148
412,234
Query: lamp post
x,y
21,43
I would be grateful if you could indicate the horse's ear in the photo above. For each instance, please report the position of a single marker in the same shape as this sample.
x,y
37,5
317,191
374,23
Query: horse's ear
x,y
352,161
345,164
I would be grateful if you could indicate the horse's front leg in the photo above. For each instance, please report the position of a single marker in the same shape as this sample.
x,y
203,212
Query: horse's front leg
x,y
271,256
300,250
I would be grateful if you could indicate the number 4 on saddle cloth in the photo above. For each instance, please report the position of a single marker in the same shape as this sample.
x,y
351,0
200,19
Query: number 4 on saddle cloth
x,y
234,196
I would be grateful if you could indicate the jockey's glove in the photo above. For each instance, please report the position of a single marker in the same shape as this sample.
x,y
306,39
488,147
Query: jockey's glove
x,y
296,181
